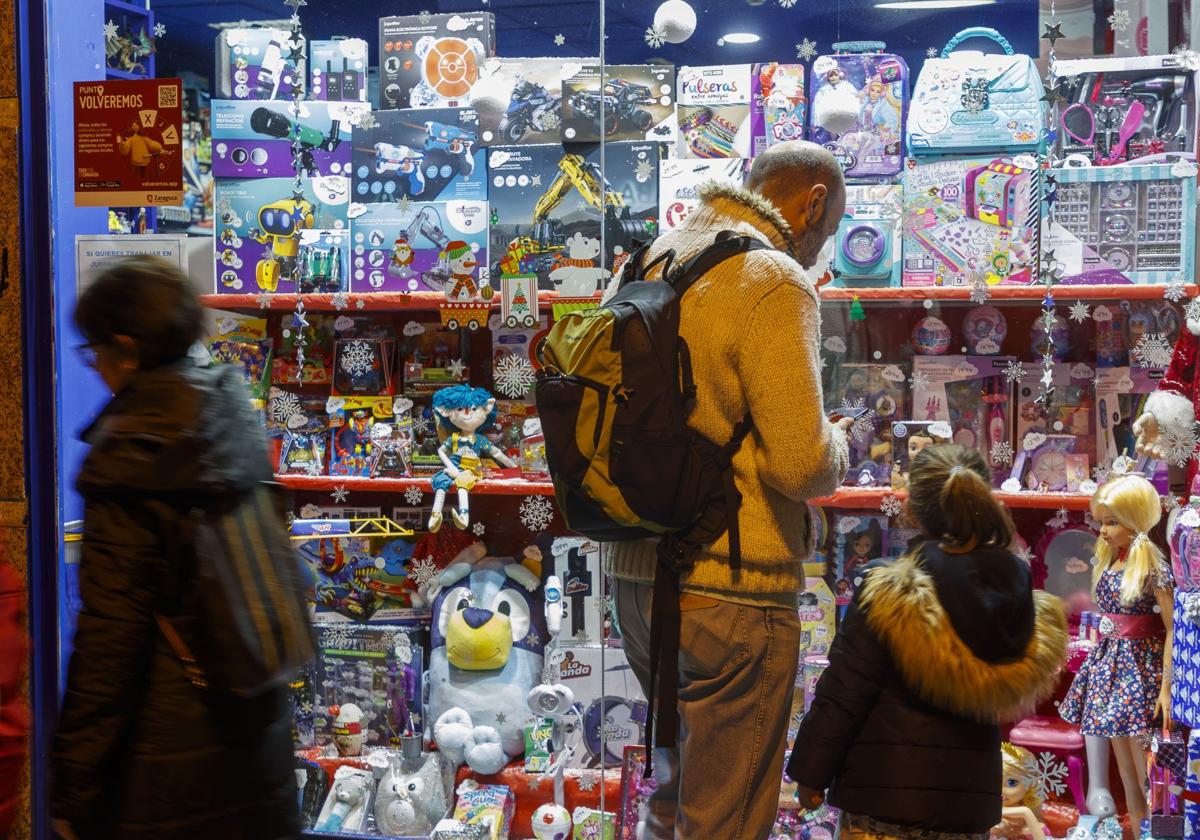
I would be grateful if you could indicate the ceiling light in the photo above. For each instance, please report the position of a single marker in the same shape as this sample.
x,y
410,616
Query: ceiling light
x,y
932,4
739,38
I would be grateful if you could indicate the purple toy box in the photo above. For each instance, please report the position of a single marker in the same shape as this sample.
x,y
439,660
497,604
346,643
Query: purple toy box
x,y
857,109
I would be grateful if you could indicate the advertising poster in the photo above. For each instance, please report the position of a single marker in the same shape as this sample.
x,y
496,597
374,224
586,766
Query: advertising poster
x,y
127,143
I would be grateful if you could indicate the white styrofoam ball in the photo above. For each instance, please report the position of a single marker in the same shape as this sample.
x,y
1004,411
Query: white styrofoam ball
x,y
676,19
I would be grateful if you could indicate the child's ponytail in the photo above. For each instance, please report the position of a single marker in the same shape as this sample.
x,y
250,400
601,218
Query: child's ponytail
x,y
950,495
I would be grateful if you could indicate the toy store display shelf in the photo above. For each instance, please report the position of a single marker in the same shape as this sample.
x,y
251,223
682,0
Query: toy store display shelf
x,y
1061,292
870,498
489,486
370,302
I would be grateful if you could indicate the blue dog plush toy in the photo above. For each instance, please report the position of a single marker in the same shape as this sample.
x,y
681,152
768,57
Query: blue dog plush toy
x,y
488,638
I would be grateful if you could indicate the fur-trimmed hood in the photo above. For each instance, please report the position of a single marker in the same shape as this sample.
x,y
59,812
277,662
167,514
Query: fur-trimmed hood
x,y
902,607
727,200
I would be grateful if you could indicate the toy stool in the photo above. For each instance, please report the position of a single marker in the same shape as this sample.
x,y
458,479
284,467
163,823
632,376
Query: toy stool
x,y
1051,734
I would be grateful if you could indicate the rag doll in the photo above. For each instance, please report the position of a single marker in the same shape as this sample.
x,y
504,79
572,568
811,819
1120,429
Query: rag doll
x,y
1022,811
463,412
1122,686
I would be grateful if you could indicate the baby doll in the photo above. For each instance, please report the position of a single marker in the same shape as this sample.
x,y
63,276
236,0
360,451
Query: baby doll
x,y
463,412
1022,812
1123,685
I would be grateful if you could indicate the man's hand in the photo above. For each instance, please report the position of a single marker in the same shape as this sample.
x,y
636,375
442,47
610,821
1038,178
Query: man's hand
x,y
844,423
809,799
1149,442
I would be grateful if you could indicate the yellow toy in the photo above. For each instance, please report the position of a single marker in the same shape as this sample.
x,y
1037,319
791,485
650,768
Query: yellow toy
x,y
280,223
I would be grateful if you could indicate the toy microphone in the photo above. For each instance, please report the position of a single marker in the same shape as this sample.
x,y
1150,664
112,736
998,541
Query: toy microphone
x,y
552,698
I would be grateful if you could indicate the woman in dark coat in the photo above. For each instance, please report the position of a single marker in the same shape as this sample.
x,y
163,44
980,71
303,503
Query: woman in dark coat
x,y
938,648
140,752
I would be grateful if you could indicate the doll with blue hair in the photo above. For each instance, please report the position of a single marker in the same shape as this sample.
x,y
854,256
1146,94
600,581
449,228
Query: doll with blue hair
x,y
463,412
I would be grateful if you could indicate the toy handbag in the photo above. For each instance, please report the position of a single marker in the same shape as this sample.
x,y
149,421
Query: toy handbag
x,y
974,102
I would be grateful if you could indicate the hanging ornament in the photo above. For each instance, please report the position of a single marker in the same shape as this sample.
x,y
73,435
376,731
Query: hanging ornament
x,y
676,20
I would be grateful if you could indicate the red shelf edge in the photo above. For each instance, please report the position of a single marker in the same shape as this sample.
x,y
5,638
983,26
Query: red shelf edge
x,y
373,302
491,487
853,498
1061,292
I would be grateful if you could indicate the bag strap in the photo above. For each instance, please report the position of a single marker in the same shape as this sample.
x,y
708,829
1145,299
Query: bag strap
x,y
977,32
191,668
727,245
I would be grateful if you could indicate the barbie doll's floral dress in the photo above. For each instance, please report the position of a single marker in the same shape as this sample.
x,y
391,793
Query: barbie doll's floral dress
x,y
1117,687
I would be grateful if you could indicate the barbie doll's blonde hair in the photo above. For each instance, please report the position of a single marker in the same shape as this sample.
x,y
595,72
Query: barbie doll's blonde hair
x,y
1134,503
1019,762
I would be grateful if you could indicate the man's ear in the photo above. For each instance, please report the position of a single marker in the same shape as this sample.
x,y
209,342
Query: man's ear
x,y
814,206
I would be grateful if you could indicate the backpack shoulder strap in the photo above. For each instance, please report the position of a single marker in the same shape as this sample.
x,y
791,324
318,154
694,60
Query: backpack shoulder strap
x,y
727,245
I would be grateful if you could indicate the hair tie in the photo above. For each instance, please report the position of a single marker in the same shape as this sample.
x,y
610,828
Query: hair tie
x,y
957,469
1139,537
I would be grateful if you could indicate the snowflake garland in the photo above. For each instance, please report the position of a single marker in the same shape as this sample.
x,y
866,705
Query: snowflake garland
x,y
1002,454
890,506
1153,351
514,376
339,494
536,513
806,50
655,37
423,572
413,496
358,358
340,301
1052,776
919,381
1013,371
337,636
1119,20
284,406
1080,312
1175,291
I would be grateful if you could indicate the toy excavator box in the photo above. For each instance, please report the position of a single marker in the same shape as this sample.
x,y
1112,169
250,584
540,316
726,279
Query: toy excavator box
x,y
431,154
554,215
427,246
626,102
520,100
432,61
254,139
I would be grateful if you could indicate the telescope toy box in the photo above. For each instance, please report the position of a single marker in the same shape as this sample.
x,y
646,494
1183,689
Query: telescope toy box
x,y
299,229
254,139
520,100
409,249
551,204
713,106
778,105
338,70
427,154
432,61
638,103
258,64
680,179
858,103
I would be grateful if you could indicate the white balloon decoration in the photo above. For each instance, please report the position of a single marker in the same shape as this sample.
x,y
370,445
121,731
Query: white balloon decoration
x,y
676,19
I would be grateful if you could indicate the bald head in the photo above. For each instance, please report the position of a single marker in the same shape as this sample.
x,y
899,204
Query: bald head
x,y
805,182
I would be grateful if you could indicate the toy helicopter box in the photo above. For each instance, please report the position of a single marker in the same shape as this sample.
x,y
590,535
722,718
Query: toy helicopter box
x,y
550,203
258,64
637,103
520,100
268,241
679,182
432,61
858,102
427,155
407,249
338,70
868,238
254,139
778,106
714,111
971,218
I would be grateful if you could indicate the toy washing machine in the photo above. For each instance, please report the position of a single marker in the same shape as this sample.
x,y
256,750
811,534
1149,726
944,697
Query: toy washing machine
x,y
868,238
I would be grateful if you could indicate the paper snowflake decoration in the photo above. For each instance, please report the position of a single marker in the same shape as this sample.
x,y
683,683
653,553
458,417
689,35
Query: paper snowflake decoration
x,y
1187,57
423,572
890,506
402,644
367,120
404,204
477,529
932,52
422,425
264,301
559,40
1192,311
536,513
1080,312
160,29
339,494
424,17
340,301
360,303
919,380
284,406
456,368
1153,351
1119,20
1013,371
1175,291
864,425
358,358
644,171
313,468
587,779
305,708
655,37
806,50
514,376
110,31
413,496
337,636
1169,502
1180,445
1002,453
1026,554
980,293
1052,775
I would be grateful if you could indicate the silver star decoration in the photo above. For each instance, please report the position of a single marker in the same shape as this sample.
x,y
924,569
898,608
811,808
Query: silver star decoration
x,y
559,40
1053,31
1048,377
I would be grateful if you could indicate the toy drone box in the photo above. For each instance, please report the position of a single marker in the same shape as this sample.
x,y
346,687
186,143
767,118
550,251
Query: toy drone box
x,y
258,64
254,139
426,246
637,103
268,240
970,219
858,102
520,100
427,155
610,700
1124,224
1121,110
338,70
778,105
550,205
432,61
868,237
713,105
679,182
883,390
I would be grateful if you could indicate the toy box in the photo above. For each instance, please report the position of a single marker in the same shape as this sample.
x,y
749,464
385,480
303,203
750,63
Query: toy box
x,y
1072,411
818,618
858,103
909,437
1185,683
302,434
490,805
254,139
1121,394
679,182
550,203
883,390
778,105
973,394
638,103
352,439
243,341
318,353
868,238
258,64
427,246
433,358
520,100
713,105
861,538
970,219
338,70
304,235
618,708
431,61
424,154
576,561
1124,224
1042,463
393,442
1119,110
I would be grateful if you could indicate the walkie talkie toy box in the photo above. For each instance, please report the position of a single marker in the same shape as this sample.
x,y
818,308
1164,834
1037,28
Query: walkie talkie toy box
x,y
428,246
258,64
637,103
426,154
858,109
432,61
713,104
255,139
338,70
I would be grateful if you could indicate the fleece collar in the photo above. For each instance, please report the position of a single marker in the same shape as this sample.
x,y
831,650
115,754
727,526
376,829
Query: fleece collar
x,y
729,201
902,608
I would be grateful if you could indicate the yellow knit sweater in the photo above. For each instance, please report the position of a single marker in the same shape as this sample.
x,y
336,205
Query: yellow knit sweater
x,y
753,327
